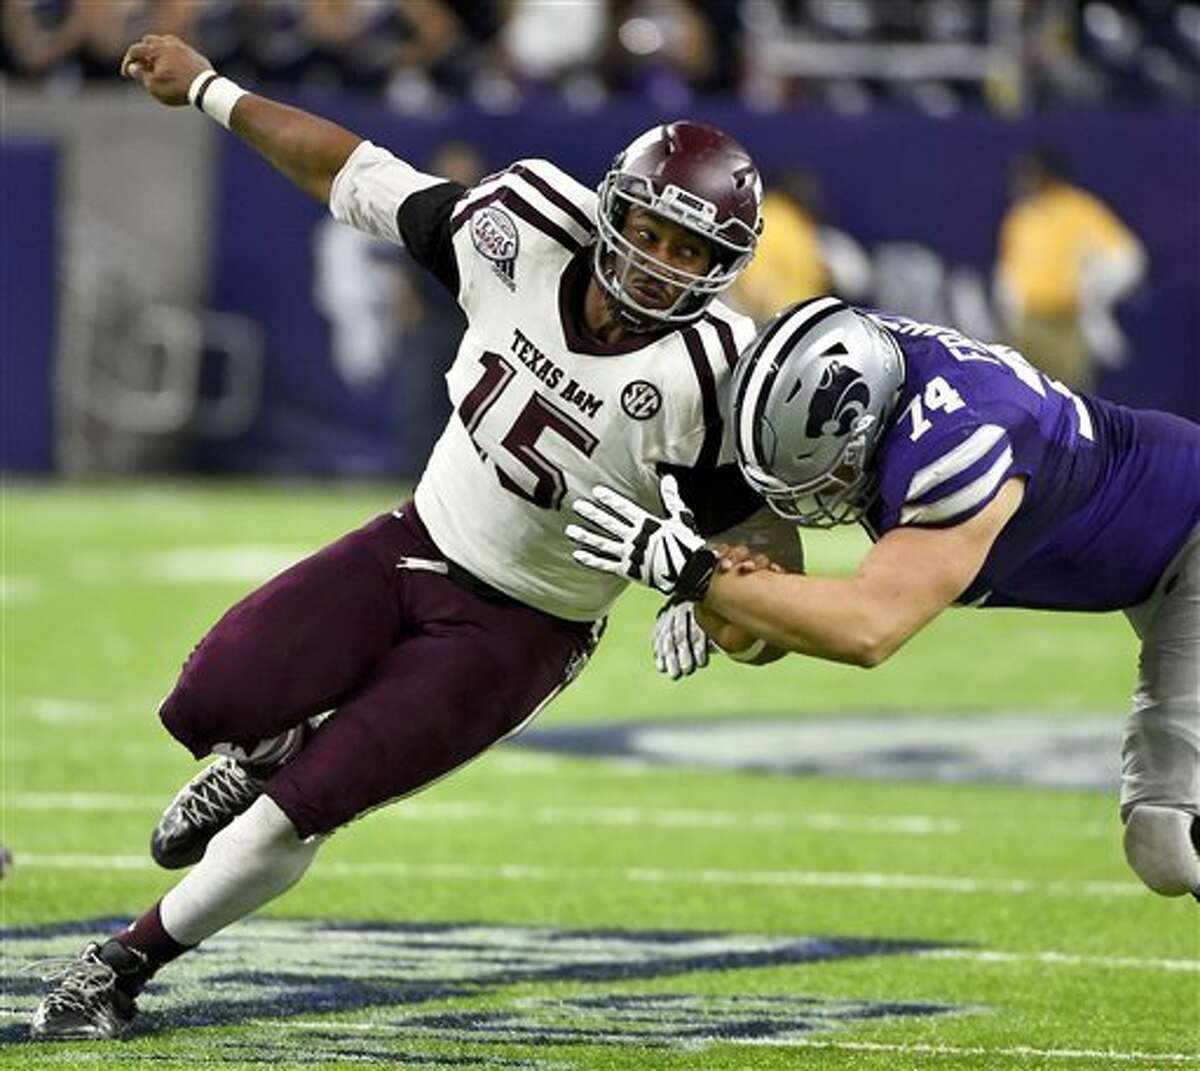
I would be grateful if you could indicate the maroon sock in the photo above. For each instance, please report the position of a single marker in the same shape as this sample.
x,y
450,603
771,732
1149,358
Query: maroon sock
x,y
147,936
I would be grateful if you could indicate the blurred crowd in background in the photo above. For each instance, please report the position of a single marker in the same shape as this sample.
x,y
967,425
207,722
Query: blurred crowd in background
x,y
969,162
936,56
1064,263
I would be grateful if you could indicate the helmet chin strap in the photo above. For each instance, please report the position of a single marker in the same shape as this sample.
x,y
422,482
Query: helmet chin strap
x,y
628,318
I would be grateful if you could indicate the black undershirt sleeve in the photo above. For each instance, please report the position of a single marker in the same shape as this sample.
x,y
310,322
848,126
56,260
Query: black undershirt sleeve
x,y
718,497
424,224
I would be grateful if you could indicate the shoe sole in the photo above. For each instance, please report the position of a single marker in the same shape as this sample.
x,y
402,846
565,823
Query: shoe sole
x,y
77,1034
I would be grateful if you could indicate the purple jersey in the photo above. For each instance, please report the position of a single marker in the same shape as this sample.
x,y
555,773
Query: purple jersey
x,y
1110,492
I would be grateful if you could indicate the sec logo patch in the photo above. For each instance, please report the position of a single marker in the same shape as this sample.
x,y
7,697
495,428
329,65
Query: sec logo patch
x,y
641,400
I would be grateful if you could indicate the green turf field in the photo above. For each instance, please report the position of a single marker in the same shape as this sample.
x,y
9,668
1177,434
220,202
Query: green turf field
x,y
546,910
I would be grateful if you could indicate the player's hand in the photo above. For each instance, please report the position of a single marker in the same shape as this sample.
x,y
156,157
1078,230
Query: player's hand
x,y
679,643
165,67
723,633
741,560
661,552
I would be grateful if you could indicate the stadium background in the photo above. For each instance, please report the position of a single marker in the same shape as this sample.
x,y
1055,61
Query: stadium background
x,y
185,309
186,341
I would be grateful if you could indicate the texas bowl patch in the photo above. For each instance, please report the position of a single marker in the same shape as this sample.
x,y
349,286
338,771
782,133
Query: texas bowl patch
x,y
494,234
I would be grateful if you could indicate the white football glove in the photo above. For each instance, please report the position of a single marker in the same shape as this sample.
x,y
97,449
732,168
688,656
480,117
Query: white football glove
x,y
680,644
661,552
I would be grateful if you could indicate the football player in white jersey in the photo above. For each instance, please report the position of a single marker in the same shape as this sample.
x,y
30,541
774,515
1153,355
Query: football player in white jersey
x,y
595,352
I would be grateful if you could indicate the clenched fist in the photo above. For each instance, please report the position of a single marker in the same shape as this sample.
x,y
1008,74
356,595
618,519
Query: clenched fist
x,y
165,66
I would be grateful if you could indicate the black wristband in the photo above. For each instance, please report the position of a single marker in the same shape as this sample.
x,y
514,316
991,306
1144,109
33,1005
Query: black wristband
x,y
696,575
199,101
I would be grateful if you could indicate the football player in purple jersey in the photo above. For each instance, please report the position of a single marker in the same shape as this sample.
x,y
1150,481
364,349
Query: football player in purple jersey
x,y
597,351
982,482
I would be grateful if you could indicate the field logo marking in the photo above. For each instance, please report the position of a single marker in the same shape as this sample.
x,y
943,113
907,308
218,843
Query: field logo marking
x,y
1003,748
277,974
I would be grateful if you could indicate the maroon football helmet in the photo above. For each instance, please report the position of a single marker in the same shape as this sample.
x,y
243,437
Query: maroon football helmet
x,y
693,175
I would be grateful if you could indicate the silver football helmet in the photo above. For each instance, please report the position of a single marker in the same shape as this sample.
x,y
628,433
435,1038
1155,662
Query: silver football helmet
x,y
811,396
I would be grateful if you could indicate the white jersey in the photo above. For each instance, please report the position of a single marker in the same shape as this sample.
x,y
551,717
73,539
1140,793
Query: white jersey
x,y
542,412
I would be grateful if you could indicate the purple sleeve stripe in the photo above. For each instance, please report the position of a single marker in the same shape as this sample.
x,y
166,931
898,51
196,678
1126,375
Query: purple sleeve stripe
x,y
554,196
514,201
713,427
725,334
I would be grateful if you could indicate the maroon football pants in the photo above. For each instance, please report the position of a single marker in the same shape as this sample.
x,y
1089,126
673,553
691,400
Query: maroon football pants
x,y
422,674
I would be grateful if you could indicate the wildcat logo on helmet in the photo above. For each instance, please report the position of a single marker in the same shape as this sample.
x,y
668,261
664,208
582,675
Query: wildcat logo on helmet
x,y
640,400
495,237
840,399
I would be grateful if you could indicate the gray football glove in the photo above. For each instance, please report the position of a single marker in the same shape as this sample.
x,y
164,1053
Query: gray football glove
x,y
661,552
680,645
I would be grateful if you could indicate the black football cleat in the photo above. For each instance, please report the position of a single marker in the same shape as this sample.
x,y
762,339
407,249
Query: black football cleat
x,y
92,996
202,808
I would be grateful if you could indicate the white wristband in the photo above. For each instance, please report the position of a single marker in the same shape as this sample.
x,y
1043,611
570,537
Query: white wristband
x,y
748,654
215,96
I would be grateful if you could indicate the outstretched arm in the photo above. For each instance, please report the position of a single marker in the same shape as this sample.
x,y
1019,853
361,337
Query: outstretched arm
x,y
307,149
909,577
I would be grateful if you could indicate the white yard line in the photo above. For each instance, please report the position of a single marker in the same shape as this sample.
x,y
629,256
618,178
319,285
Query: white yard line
x,y
71,710
221,563
818,879
20,590
63,861
683,818
1063,959
1019,1051
74,744
86,802
911,825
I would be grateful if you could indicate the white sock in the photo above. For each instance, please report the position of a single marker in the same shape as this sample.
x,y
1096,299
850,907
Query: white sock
x,y
254,859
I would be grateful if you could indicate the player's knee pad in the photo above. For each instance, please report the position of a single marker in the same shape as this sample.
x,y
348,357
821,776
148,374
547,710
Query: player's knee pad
x,y
1160,845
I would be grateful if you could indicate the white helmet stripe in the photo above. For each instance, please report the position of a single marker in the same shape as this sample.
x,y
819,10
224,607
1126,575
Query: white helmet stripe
x,y
762,376
974,495
956,461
